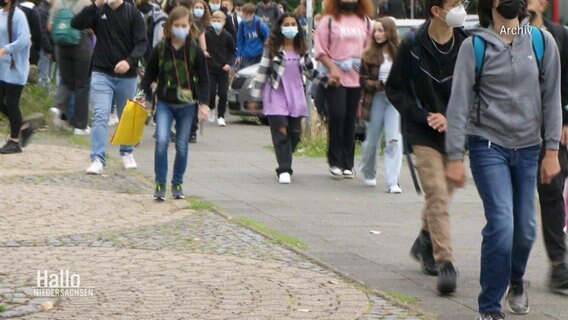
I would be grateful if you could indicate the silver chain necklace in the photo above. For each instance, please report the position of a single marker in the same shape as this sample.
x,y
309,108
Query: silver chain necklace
x,y
438,49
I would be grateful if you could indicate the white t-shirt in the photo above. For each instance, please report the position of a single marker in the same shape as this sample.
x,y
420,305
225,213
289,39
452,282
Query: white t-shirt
x,y
385,67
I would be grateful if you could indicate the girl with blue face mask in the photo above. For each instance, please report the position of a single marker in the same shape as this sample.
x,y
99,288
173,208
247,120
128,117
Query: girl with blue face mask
x,y
179,67
279,84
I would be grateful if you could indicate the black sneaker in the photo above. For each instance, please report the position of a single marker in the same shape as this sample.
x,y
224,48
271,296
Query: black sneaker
x,y
160,192
193,138
490,316
558,282
11,146
177,191
25,135
422,252
518,298
447,278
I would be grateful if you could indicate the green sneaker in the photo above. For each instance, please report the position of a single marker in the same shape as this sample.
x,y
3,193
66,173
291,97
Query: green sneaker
x,y
160,192
177,191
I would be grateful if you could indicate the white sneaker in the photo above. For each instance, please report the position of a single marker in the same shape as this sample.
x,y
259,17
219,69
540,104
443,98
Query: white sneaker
x,y
56,122
348,174
113,120
284,178
221,122
371,182
211,116
82,132
394,189
335,172
128,161
96,167
565,229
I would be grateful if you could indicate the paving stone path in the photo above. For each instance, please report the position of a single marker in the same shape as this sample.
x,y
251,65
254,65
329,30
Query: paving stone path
x,y
147,260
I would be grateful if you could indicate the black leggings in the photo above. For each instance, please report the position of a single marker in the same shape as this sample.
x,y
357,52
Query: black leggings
x,y
10,106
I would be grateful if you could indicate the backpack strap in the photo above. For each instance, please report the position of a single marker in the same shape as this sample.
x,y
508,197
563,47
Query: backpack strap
x,y
259,30
538,47
479,48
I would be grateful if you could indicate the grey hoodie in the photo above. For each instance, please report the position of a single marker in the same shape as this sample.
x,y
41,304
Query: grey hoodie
x,y
512,110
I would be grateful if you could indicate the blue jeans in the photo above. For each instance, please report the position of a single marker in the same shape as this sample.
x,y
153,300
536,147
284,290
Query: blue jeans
x,y
506,181
44,68
104,90
383,116
165,115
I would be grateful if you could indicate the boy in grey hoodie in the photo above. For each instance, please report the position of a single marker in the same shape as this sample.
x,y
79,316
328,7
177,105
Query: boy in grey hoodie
x,y
504,140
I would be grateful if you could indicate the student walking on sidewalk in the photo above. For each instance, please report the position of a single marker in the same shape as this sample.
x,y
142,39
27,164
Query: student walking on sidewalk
x,y
121,42
377,110
419,87
551,196
223,56
339,42
14,67
179,67
501,122
280,84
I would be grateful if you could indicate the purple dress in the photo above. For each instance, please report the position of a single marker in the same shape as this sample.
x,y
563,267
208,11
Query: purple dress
x,y
289,99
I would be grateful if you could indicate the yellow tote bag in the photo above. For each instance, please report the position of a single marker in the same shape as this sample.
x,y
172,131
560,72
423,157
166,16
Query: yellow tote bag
x,y
130,128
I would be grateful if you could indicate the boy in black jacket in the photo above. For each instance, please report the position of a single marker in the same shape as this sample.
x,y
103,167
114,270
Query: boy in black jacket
x,y
419,86
550,196
222,49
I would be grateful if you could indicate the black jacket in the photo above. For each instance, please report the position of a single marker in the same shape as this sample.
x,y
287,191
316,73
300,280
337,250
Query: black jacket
x,y
433,83
43,9
222,49
121,35
155,72
32,14
560,34
229,25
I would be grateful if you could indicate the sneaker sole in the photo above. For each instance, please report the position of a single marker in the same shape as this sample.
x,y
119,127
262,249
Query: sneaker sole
x,y
159,199
515,312
179,197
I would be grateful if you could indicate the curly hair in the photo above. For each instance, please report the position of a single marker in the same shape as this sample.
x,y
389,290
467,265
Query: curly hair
x,y
332,8
373,54
276,39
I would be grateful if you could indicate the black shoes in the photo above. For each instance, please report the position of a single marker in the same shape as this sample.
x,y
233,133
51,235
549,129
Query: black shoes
x,y
518,298
25,135
447,278
10,147
422,252
558,282
491,316
193,138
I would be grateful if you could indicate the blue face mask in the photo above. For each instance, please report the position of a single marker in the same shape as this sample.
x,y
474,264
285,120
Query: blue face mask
x,y
215,7
218,26
198,13
290,32
180,33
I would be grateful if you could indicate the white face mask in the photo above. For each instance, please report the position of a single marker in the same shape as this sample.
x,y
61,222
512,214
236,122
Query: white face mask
x,y
456,17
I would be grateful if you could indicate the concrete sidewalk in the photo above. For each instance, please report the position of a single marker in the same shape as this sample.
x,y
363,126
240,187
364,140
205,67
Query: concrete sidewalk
x,y
232,168
138,259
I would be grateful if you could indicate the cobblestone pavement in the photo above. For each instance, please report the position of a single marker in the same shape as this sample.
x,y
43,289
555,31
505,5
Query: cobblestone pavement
x,y
146,260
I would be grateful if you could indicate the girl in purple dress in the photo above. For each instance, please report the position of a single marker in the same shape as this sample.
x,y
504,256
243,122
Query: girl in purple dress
x,y
280,86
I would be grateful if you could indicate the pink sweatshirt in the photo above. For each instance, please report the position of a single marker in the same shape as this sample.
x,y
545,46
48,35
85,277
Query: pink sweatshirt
x,y
348,38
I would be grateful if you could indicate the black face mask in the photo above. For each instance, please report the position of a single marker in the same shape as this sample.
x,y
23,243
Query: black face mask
x,y
510,9
348,6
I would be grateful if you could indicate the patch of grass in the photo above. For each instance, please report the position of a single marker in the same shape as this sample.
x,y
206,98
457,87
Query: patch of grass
x,y
2,308
274,236
410,300
197,204
83,141
35,99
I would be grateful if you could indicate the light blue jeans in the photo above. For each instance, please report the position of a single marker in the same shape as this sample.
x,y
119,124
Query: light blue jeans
x,y
383,116
104,90
44,68
165,115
